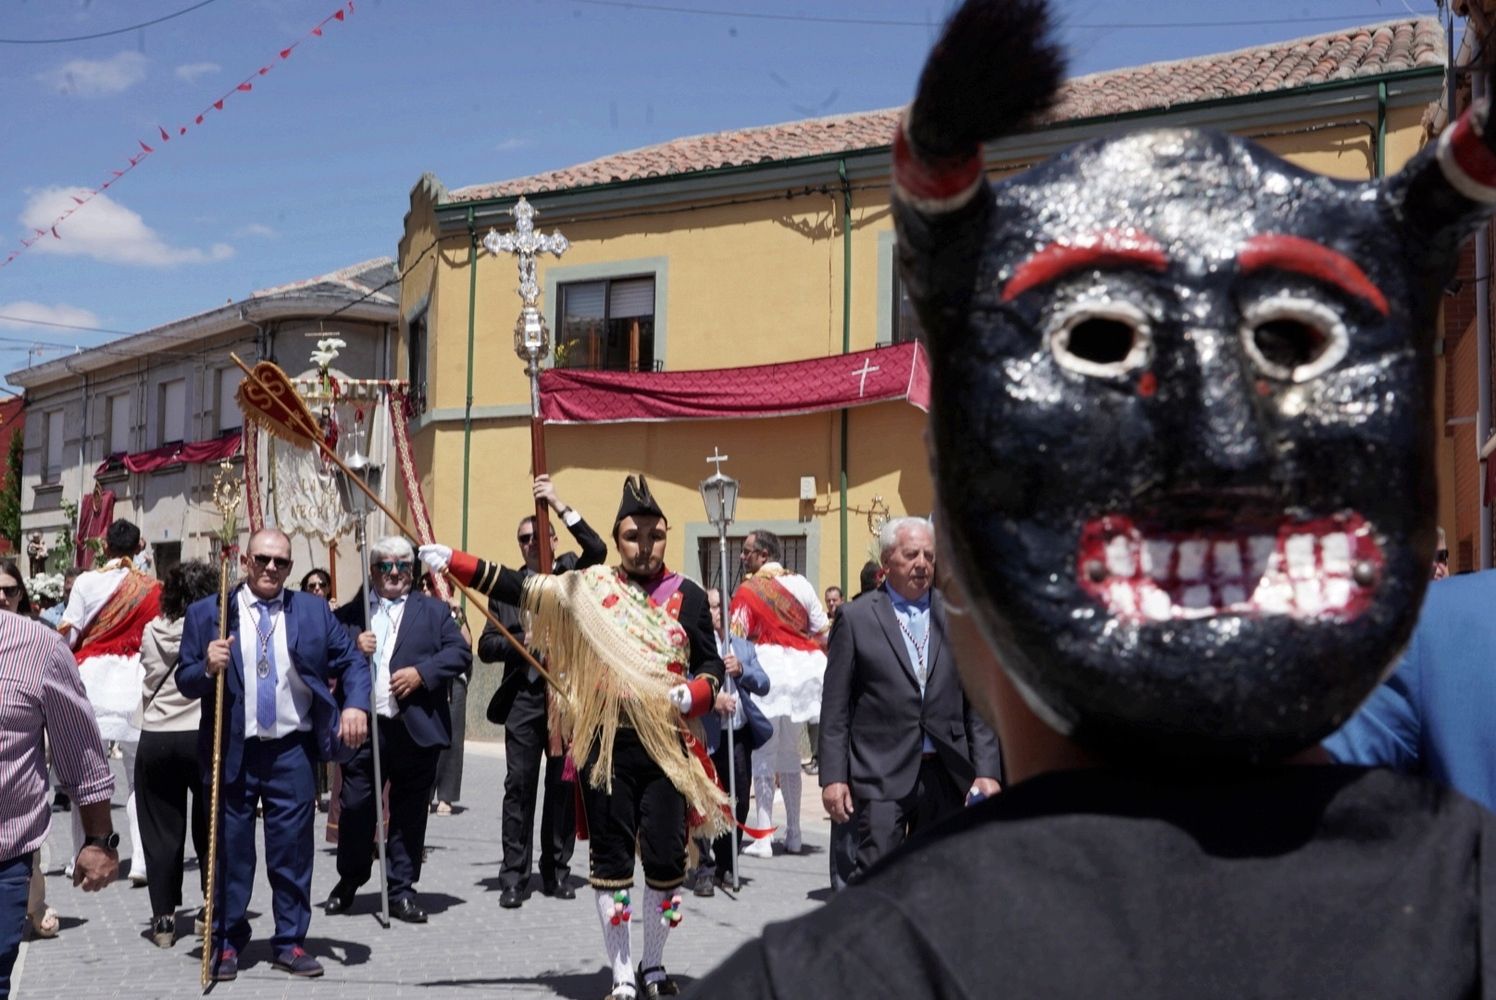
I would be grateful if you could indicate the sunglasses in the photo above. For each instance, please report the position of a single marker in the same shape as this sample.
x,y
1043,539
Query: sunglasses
x,y
316,585
271,562
526,539
10,591
387,566
1442,556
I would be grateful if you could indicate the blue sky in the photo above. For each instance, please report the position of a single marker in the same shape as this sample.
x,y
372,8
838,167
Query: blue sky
x,y
311,170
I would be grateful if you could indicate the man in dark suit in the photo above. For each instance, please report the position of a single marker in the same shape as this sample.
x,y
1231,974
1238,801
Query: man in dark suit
x,y
415,648
284,649
900,745
522,706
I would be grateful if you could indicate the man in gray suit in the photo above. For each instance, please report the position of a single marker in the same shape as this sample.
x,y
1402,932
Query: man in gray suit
x,y
901,747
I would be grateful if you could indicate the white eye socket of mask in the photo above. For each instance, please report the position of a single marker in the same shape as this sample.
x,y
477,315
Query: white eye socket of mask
x,y
1101,339
1293,338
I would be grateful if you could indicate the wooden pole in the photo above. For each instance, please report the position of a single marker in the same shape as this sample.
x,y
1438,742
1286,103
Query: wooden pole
x,y
307,427
215,801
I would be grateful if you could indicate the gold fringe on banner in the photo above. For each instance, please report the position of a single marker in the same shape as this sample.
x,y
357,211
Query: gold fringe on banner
x,y
614,653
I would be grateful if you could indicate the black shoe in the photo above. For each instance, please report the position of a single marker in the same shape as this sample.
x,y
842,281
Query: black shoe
x,y
225,966
408,910
705,887
61,803
659,988
511,898
559,890
164,931
341,899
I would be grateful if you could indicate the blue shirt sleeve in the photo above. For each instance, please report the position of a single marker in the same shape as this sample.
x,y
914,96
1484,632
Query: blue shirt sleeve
x,y
1387,731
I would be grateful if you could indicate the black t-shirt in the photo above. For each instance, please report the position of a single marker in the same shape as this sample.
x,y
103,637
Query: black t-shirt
x,y
1274,883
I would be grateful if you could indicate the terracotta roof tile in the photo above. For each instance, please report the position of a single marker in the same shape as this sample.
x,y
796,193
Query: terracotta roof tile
x,y
1356,52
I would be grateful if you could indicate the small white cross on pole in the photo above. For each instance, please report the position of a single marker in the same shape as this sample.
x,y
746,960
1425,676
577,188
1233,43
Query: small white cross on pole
x,y
867,369
717,457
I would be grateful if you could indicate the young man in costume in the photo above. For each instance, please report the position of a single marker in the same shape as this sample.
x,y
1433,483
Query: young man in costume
x,y
1181,436
622,642
779,612
106,614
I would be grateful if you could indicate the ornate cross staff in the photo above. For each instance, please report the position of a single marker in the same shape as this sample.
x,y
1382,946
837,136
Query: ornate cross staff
x,y
532,340
227,491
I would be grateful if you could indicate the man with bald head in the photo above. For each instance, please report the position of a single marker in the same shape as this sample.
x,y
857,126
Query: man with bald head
x,y
283,651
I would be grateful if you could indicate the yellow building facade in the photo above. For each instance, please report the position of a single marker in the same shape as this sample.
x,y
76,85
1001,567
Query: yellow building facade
x,y
773,245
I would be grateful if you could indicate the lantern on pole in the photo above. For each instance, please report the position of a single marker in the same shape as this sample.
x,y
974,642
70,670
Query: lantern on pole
x,y
719,494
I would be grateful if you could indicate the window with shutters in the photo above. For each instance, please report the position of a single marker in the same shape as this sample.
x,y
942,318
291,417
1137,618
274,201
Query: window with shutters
x,y
230,418
171,413
607,325
906,326
119,424
52,470
792,559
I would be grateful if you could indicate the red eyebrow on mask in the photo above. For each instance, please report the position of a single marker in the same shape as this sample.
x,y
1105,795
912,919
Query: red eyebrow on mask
x,y
1106,249
1277,251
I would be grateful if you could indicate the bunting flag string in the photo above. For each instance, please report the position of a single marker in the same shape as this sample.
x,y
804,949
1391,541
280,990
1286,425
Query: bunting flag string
x,y
245,86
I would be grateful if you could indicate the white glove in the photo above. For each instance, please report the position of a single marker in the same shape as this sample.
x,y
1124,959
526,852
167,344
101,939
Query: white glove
x,y
680,697
436,556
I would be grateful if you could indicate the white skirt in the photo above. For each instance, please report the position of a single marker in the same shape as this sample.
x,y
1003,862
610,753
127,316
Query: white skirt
x,y
795,677
115,686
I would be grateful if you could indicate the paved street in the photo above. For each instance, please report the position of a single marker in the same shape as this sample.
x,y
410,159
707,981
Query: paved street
x,y
470,948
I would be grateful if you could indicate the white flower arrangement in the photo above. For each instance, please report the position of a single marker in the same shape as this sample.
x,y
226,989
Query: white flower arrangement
x,y
45,586
327,352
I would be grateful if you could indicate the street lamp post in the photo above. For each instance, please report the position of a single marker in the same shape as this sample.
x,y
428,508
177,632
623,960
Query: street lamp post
x,y
719,493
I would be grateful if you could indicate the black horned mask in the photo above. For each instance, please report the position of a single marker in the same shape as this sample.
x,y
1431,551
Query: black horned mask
x,y
1182,415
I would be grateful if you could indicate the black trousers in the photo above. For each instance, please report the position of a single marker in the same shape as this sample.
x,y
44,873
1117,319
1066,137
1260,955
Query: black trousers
x,y
884,824
642,813
449,766
167,772
526,759
410,770
722,847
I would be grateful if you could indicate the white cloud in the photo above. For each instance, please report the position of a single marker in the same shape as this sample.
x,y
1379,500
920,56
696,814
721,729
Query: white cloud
x,y
511,143
256,229
191,72
106,230
96,77
23,315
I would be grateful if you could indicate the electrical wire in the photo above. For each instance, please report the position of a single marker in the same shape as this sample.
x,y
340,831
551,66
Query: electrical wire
x,y
105,34
895,23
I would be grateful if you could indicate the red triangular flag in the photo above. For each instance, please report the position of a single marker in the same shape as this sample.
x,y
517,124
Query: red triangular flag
x,y
54,233
165,137
182,130
317,31
39,232
350,6
199,119
78,199
117,173
339,15
246,86
145,147
286,53
264,70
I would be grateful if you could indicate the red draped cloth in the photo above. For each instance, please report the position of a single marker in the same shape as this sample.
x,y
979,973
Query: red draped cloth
x,y
775,616
118,626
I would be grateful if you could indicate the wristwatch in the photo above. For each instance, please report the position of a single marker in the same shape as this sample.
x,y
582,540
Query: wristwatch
x,y
108,843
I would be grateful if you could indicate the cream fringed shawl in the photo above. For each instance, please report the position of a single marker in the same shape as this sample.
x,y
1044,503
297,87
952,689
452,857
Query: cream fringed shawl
x,y
613,654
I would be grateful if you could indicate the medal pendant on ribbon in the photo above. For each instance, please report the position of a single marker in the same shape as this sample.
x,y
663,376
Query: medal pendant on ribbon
x,y
262,668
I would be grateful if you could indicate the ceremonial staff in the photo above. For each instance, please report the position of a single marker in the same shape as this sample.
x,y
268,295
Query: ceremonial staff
x,y
532,341
267,396
226,495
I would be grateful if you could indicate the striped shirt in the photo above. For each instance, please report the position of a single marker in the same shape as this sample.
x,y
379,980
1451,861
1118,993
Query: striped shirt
x,y
40,689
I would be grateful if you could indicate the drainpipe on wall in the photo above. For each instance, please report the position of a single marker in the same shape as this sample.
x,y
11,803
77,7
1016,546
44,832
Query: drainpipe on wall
x,y
1479,86
467,410
841,172
1381,150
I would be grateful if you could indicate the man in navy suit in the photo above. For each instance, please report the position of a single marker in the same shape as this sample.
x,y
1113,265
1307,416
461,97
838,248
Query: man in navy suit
x,y
416,648
751,730
284,649
901,746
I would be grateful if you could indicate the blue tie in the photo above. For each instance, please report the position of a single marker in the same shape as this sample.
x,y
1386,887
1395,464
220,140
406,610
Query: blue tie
x,y
265,684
